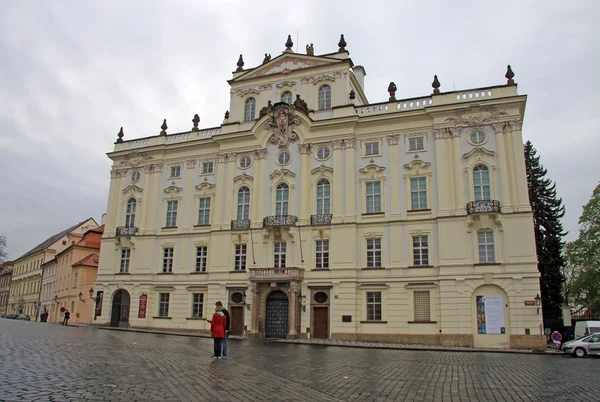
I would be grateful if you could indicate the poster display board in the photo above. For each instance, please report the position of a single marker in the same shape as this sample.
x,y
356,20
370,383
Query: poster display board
x,y
490,315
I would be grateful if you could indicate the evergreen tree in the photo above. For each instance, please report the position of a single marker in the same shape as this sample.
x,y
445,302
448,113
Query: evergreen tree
x,y
547,212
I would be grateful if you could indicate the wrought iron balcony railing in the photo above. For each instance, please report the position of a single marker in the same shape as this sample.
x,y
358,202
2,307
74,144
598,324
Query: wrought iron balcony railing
x,y
280,220
276,274
323,219
240,224
483,206
126,230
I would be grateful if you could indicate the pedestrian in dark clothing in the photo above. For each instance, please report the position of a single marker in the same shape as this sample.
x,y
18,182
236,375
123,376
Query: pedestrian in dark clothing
x,y
217,331
226,313
67,316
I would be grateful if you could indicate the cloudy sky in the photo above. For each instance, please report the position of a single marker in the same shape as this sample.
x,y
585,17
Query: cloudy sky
x,y
73,71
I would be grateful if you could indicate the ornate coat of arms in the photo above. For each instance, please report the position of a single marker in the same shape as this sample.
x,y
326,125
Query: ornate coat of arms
x,y
281,122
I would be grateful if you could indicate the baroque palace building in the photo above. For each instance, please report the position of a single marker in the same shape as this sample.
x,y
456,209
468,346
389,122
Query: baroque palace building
x,y
313,213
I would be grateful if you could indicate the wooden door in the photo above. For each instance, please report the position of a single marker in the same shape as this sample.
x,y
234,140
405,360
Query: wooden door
x,y
277,315
321,322
236,327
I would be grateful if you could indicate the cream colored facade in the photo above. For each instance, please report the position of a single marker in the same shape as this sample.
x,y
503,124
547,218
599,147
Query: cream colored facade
x,y
48,291
386,221
5,275
27,272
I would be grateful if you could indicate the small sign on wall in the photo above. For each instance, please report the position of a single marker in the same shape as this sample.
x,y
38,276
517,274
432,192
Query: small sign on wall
x,y
143,304
530,302
346,318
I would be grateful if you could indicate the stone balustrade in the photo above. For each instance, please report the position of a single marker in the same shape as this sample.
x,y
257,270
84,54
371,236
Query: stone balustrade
x,y
276,274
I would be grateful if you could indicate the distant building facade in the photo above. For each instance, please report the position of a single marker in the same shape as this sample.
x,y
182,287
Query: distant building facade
x,y
27,272
48,296
5,277
312,213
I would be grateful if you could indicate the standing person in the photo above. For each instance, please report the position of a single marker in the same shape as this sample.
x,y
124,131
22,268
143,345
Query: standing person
x,y
67,316
217,331
224,310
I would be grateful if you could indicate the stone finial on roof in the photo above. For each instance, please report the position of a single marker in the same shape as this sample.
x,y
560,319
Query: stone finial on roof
x,y
436,85
240,64
120,135
289,44
196,120
352,94
509,76
310,50
227,115
267,58
392,90
342,44
164,127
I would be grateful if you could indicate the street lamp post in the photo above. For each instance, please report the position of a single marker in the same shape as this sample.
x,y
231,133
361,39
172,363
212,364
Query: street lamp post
x,y
538,302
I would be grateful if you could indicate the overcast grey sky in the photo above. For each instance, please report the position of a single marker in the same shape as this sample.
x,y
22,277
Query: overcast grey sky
x,y
73,72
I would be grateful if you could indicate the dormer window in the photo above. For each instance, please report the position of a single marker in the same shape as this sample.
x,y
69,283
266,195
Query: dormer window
x,y
325,97
250,109
286,97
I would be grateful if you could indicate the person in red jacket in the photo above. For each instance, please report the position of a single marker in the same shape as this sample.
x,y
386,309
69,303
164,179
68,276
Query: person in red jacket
x,y
217,331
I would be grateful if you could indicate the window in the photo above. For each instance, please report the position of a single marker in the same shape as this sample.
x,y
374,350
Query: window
x,y
197,305
416,144
421,308
418,193
240,257
477,137
371,148
175,171
322,254
125,257
283,158
373,196
374,253
204,211
245,162
486,247
243,204
207,167
168,259
130,213
323,197
249,109
481,183
282,195
163,305
373,306
287,97
75,280
135,176
325,97
172,213
323,153
420,250
201,258
279,255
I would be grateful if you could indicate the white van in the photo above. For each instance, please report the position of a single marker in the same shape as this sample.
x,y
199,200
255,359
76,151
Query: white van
x,y
583,328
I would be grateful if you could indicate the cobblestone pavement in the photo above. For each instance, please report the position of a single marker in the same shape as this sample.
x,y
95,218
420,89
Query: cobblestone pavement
x,y
53,363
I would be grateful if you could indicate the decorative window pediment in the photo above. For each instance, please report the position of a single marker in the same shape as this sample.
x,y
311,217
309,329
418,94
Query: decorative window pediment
x,y
286,84
322,171
282,174
205,186
372,168
132,189
243,178
478,153
173,190
418,167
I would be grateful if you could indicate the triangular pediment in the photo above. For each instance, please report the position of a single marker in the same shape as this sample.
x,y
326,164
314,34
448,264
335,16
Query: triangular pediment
x,y
287,63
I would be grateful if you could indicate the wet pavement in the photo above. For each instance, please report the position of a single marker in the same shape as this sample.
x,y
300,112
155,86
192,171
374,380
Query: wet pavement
x,y
49,362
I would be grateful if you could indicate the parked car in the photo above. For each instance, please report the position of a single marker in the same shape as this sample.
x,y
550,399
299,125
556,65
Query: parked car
x,y
12,316
587,345
584,328
23,317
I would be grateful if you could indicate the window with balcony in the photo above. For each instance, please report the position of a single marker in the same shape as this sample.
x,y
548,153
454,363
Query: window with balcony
x,y
418,193
279,255
163,304
201,258
204,211
322,254
130,213
325,97
168,253
481,183
243,203
250,109
171,220
240,257
374,253
373,306
373,197
420,250
485,240
421,306
125,257
282,194
197,305
323,197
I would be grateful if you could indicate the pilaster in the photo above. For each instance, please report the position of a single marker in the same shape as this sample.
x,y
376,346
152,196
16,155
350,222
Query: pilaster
x,y
188,220
518,156
349,175
459,178
394,183
227,196
306,187
504,170
443,171
261,190
221,190
338,196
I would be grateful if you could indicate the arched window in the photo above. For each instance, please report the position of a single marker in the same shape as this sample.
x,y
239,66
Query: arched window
x,y
282,196
243,203
481,183
286,97
323,197
250,109
130,215
325,97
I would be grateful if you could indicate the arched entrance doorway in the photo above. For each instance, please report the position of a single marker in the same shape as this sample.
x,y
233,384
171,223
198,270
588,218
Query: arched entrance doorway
x,y
277,315
120,309
491,317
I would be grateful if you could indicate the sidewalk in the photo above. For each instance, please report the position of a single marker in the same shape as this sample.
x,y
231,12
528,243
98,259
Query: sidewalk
x,y
347,344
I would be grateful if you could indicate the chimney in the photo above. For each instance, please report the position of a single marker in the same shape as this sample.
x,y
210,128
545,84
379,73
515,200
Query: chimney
x,y
103,220
359,73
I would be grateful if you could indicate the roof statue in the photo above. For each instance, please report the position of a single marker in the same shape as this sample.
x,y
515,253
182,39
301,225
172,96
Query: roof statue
x,y
310,50
196,120
265,110
392,90
267,58
300,105
289,44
